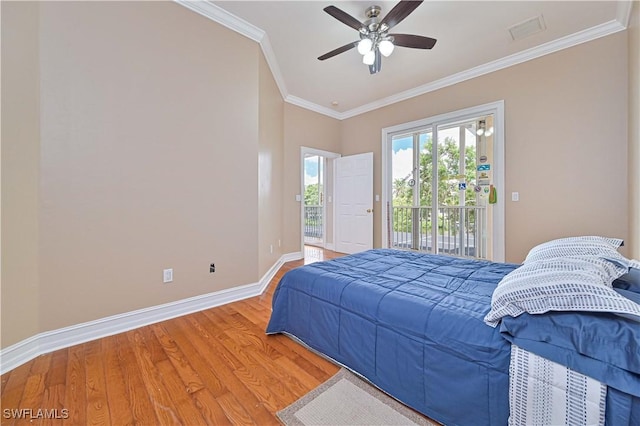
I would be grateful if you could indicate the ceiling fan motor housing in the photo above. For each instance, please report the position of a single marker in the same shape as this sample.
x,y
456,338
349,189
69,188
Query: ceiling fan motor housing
x,y
372,24
372,12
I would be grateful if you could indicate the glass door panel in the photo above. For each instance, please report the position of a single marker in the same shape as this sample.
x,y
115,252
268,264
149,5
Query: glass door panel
x,y
424,191
403,183
456,198
314,200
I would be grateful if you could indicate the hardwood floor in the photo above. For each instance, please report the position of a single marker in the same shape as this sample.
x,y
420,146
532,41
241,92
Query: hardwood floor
x,y
212,367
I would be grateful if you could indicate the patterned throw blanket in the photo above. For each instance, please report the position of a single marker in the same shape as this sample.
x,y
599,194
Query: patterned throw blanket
x,y
542,392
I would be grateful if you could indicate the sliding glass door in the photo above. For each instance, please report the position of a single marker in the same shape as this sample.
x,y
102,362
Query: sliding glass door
x,y
441,187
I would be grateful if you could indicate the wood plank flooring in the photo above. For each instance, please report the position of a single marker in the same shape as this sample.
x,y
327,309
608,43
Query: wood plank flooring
x,y
212,367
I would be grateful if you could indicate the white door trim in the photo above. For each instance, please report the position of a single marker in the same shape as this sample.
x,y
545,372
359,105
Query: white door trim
x,y
495,108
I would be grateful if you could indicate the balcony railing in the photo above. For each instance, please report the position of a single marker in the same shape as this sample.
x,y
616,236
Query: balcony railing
x,y
313,224
459,232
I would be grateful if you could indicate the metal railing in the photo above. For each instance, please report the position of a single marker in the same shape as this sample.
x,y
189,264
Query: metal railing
x,y
313,223
459,231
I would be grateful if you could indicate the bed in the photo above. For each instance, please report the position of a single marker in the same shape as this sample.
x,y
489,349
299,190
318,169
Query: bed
x,y
416,326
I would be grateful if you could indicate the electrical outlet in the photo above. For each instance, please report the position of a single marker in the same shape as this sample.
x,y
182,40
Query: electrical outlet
x,y
212,268
167,275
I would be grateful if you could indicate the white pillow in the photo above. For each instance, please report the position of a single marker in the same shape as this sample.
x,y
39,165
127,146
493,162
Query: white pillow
x,y
577,283
603,247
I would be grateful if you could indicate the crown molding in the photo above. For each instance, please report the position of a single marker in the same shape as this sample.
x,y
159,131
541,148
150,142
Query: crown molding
x,y
221,16
270,57
239,25
294,100
571,40
623,13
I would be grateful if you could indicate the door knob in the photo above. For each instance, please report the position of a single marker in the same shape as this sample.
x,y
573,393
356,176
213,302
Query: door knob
x,y
369,210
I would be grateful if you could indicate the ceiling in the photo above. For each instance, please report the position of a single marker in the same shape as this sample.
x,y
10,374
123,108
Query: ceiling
x,y
473,39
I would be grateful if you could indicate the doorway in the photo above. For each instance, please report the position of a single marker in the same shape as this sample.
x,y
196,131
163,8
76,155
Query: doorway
x,y
316,200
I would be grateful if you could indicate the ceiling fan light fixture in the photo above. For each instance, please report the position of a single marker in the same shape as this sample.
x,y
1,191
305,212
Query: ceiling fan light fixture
x,y
386,47
369,58
364,46
375,41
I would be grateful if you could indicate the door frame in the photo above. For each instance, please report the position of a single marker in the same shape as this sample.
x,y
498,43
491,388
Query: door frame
x,y
304,152
495,108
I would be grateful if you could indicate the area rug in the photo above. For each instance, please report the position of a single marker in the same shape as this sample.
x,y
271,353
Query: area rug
x,y
345,399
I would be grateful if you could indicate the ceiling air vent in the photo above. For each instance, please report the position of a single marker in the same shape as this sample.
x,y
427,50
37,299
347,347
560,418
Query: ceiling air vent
x,y
527,28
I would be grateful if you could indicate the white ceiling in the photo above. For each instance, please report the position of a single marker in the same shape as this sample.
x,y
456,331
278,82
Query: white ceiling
x,y
473,39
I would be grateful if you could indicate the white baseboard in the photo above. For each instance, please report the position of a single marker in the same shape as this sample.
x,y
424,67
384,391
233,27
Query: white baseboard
x,y
266,278
289,257
24,351
330,246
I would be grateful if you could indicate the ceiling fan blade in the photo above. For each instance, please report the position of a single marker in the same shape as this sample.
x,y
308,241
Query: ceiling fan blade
x,y
414,41
337,51
377,63
344,17
399,12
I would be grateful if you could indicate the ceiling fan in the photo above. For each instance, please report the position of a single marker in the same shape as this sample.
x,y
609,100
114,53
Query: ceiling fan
x,y
375,40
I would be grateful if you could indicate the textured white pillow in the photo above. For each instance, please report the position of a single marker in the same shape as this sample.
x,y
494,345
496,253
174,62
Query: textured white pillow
x,y
577,283
602,247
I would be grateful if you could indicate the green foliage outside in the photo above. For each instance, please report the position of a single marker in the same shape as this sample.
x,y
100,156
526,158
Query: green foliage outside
x,y
312,198
312,195
448,173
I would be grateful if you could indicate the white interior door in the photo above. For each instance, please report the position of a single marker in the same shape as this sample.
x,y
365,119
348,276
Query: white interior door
x,y
354,203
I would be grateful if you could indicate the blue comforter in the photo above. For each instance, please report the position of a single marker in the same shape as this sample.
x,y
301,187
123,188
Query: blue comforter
x,y
412,324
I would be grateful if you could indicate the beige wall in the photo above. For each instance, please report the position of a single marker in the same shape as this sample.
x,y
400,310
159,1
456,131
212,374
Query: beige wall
x,y
312,130
634,132
141,150
20,171
566,140
270,170
147,158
